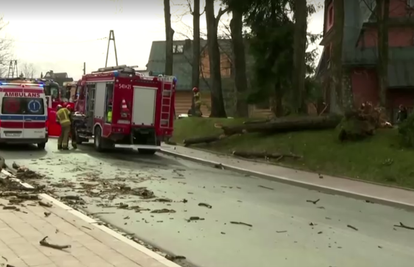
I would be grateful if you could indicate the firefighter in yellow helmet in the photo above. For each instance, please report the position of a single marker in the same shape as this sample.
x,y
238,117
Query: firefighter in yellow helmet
x,y
63,118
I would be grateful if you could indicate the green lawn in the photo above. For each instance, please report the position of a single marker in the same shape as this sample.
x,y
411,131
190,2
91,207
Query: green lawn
x,y
379,159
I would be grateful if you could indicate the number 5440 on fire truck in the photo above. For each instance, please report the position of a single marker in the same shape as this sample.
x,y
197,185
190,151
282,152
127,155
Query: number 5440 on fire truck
x,y
118,107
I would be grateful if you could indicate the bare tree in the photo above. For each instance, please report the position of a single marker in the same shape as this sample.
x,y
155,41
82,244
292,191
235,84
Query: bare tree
x,y
5,46
217,101
28,70
299,47
383,9
169,34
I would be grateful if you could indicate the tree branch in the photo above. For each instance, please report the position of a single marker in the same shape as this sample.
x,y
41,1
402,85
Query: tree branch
x,y
221,13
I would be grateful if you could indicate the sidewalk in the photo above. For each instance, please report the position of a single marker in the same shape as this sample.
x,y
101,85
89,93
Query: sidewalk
x,y
91,244
379,194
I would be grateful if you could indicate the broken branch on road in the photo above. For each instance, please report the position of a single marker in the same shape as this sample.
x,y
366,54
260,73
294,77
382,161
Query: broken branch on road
x,y
264,155
44,243
194,218
313,201
401,225
163,211
205,205
45,204
352,227
242,223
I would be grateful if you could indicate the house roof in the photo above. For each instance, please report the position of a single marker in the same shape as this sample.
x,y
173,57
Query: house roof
x,y
182,63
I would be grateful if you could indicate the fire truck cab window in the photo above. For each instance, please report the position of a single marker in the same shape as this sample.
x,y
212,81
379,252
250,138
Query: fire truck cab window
x,y
108,103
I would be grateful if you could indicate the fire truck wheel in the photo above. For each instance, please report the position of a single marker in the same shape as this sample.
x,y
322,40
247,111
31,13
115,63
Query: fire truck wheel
x,y
98,139
41,146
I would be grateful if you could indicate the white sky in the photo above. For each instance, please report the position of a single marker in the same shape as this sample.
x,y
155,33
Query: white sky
x,y
60,35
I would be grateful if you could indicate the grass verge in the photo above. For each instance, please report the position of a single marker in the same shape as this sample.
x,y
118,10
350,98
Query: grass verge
x,y
378,159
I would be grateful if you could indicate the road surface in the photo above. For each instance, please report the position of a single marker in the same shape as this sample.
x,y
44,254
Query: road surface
x,y
286,230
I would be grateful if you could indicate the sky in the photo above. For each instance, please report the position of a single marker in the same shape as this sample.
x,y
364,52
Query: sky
x,y
61,35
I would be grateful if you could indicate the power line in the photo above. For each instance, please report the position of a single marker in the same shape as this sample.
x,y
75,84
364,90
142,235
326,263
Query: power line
x,y
54,43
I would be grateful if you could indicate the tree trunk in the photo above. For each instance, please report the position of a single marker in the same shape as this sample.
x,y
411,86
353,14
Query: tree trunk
x,y
169,33
217,102
337,54
195,79
383,8
196,45
299,46
286,124
240,79
278,109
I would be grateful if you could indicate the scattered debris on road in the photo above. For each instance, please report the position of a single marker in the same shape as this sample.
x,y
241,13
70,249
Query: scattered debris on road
x,y
401,225
242,223
205,205
44,243
219,166
313,201
175,257
45,204
352,227
194,218
265,187
163,211
11,208
281,232
47,213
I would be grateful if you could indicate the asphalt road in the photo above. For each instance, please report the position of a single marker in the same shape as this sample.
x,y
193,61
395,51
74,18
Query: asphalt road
x,y
285,231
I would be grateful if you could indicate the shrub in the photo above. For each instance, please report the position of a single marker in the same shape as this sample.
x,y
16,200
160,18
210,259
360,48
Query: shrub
x,y
406,131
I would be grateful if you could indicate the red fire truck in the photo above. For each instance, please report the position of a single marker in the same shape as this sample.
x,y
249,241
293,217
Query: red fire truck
x,y
117,106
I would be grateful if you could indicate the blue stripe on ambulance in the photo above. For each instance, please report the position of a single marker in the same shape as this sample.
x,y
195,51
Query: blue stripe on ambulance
x,y
22,117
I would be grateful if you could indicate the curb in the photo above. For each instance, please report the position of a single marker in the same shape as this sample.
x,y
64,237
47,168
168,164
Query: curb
x,y
91,221
286,180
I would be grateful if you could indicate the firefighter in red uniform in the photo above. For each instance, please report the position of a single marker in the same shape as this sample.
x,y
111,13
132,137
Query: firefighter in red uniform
x,y
197,102
72,126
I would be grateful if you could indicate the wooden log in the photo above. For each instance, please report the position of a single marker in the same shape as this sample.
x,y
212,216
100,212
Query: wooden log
x,y
256,121
278,156
288,124
201,140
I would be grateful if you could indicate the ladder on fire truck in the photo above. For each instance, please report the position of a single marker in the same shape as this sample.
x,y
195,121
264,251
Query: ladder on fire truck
x,y
166,102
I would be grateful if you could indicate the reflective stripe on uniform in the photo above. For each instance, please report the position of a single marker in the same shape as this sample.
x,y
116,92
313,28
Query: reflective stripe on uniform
x,y
109,115
197,99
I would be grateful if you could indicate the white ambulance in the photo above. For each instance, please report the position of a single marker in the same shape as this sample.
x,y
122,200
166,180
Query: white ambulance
x,y
23,114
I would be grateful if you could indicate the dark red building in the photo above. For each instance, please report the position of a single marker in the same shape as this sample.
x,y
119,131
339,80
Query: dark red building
x,y
360,54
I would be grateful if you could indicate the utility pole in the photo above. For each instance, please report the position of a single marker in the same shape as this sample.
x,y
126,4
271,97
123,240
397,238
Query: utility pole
x,y
84,68
111,38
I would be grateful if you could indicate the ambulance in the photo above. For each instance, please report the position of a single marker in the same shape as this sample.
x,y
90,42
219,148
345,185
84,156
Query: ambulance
x,y
23,114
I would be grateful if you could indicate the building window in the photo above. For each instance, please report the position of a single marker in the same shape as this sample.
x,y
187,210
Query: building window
x,y
178,49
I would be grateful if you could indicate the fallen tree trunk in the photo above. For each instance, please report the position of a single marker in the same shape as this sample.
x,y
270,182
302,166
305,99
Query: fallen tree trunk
x,y
257,121
277,156
201,140
281,125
